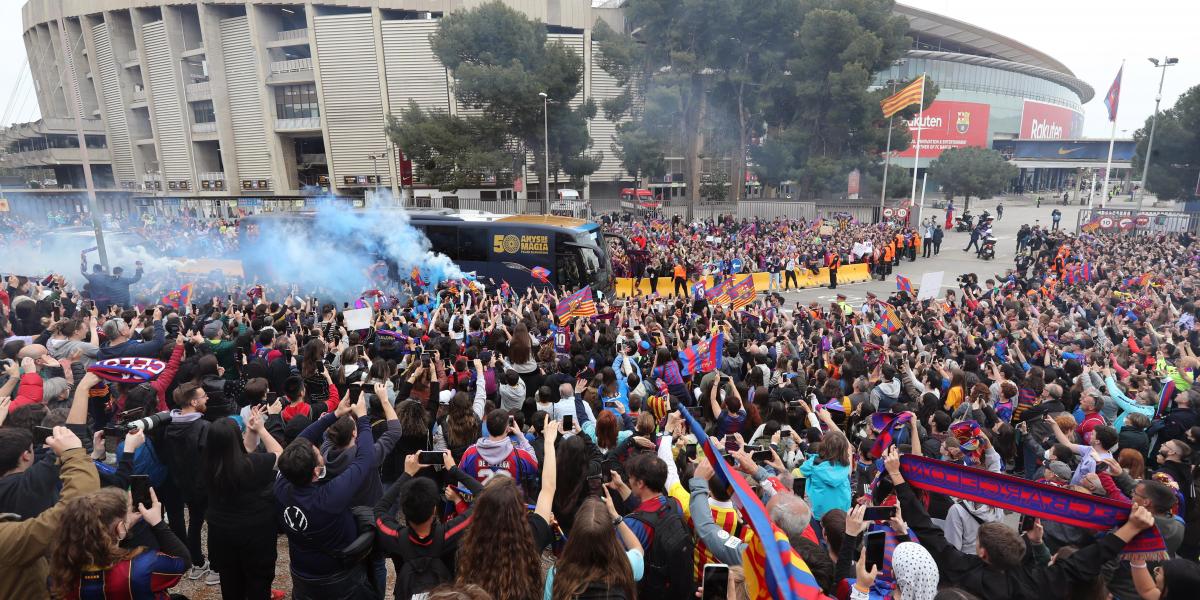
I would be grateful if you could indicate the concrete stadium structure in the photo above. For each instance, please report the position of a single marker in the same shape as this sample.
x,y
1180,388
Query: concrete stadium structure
x,y
187,103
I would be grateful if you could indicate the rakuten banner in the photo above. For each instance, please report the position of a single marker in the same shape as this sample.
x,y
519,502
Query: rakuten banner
x,y
948,124
1041,121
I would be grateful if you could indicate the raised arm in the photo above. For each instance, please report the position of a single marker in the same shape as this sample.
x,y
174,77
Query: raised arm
x,y
545,498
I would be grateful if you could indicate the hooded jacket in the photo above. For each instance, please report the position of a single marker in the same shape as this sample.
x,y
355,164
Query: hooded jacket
x,y
489,456
963,521
885,394
337,460
183,445
61,349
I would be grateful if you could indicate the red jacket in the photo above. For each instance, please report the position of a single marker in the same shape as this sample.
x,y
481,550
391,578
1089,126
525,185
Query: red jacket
x,y
30,391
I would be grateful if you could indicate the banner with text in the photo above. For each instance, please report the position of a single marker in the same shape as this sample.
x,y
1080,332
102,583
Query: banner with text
x,y
949,124
1042,121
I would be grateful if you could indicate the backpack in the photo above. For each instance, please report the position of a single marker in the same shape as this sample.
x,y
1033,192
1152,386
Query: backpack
x,y
669,571
422,570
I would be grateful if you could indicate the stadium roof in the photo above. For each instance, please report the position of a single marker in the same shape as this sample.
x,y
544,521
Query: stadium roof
x,y
978,39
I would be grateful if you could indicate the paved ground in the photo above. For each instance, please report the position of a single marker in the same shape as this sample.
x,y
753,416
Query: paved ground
x,y
952,260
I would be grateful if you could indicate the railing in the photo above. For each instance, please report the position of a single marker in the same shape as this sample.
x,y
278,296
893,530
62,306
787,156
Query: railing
x,y
139,95
316,159
291,66
204,127
297,124
212,176
61,124
198,90
292,34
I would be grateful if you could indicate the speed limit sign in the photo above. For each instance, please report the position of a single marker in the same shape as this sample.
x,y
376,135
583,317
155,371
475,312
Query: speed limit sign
x,y
1106,222
902,213
1142,220
887,213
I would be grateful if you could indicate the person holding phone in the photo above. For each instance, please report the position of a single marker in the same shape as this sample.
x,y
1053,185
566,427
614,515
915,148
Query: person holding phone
x,y
593,550
497,451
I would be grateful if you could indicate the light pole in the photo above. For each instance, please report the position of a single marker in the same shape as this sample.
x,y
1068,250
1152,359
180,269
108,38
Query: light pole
x,y
546,151
375,166
1166,62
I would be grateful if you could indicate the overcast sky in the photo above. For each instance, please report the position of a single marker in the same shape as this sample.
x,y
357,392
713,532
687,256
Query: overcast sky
x,y
1089,37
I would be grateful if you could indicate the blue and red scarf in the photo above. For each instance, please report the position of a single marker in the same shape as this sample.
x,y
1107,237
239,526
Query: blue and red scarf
x,y
1061,505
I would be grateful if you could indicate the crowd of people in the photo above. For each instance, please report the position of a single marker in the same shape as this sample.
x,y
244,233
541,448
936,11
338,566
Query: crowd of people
x,y
485,449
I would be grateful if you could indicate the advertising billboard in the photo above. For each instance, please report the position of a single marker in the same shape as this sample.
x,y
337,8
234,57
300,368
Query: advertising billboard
x,y
1041,121
948,124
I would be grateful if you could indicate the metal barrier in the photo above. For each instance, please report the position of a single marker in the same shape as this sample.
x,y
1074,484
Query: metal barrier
x,y
1129,220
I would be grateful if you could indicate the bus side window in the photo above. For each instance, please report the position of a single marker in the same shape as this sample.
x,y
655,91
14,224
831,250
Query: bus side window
x,y
443,240
473,244
568,271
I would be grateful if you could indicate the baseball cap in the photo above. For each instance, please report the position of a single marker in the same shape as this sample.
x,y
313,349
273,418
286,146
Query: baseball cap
x,y
1060,469
444,397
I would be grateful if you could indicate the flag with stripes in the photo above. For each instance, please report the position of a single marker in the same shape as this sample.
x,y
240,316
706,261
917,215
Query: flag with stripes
x,y
718,294
1113,98
773,569
180,298
703,357
903,284
1086,272
1164,397
742,293
910,95
579,304
889,321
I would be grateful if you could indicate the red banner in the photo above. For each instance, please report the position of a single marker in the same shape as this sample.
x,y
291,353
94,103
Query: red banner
x,y
949,124
1041,121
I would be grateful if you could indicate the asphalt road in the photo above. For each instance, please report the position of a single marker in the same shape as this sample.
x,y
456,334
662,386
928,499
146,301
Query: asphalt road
x,y
952,260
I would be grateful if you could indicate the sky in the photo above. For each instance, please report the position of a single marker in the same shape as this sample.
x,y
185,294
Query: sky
x,y
1091,38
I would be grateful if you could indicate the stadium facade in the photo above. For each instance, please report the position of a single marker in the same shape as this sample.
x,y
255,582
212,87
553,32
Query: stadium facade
x,y
263,102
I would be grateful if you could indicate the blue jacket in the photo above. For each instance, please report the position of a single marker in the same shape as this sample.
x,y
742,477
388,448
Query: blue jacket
x,y
828,485
132,347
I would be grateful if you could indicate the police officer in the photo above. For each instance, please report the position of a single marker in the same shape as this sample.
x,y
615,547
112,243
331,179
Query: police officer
x,y
835,261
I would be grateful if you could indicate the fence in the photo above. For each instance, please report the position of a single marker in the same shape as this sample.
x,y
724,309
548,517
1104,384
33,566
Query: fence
x,y
1129,220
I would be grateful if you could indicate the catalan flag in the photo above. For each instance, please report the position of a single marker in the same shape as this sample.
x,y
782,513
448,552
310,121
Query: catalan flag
x,y
1145,279
579,304
910,95
703,357
889,321
903,284
773,569
741,294
180,298
1091,226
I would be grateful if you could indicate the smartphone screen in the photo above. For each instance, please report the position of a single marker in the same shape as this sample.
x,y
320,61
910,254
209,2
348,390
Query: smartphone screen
x,y
427,457
761,456
798,485
715,581
879,513
139,489
568,422
691,451
41,433
1027,522
875,541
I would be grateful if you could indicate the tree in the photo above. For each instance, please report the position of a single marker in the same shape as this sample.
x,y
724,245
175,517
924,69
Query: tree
x,y
1175,160
970,172
501,62
451,152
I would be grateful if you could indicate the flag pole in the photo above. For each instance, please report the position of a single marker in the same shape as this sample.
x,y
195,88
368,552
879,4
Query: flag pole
x,y
887,159
917,156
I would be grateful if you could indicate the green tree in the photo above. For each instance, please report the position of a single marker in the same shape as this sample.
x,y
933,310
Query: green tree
x,y
502,61
450,152
1175,160
971,172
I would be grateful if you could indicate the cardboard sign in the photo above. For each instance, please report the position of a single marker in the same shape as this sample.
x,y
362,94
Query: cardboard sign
x,y
931,285
357,319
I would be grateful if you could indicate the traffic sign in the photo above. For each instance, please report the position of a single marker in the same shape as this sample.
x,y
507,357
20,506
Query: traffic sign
x,y
902,213
1125,223
1142,220
1107,222
887,213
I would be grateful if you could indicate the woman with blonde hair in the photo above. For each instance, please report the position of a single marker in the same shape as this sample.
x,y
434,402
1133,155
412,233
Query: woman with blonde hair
x,y
89,562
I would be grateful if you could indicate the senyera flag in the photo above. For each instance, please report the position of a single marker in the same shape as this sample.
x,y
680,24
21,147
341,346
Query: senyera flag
x,y
910,95
773,569
579,304
703,357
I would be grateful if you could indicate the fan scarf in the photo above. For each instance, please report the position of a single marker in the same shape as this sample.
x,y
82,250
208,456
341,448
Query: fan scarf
x,y
1040,500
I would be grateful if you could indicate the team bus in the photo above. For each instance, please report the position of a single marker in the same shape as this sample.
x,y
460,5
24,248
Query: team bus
x,y
493,246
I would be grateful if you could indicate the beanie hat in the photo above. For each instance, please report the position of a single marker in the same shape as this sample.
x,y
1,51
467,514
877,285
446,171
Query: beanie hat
x,y
213,330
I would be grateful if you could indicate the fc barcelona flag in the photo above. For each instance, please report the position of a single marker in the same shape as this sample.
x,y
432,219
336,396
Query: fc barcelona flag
x,y
1113,98
718,294
903,284
889,321
773,569
180,298
742,294
703,357
579,304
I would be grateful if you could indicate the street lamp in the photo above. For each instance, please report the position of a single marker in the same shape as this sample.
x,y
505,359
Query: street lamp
x,y
546,150
375,166
1166,62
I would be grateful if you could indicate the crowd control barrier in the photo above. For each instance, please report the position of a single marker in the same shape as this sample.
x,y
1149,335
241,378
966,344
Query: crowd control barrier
x,y
805,278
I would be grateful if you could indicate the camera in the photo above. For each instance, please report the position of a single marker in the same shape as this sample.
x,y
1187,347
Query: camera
x,y
967,279
150,422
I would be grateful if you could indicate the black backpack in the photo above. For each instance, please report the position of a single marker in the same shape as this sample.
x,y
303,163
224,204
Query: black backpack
x,y
423,568
669,572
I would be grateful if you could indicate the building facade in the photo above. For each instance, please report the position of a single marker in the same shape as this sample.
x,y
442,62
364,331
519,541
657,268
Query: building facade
x,y
218,104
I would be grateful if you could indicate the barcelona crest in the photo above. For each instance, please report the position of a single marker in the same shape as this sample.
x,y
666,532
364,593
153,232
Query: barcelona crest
x,y
963,123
